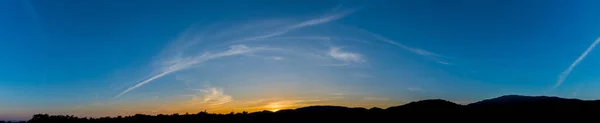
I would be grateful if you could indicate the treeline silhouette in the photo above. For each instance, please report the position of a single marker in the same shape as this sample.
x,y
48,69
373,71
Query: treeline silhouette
x,y
511,108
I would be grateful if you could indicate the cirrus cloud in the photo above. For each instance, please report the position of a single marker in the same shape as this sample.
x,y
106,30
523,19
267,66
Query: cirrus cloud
x,y
187,62
346,58
565,74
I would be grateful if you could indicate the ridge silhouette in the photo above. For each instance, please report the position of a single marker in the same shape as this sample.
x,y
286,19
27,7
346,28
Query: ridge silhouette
x,y
509,108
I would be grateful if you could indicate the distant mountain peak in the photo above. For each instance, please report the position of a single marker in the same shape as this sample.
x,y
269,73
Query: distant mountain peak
x,y
520,99
431,101
430,105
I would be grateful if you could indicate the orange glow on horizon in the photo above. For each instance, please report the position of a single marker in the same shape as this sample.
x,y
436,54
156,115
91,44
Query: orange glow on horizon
x,y
194,105
274,107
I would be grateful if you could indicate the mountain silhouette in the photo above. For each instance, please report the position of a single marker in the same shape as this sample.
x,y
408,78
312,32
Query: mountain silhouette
x,y
509,108
533,104
533,108
433,105
517,99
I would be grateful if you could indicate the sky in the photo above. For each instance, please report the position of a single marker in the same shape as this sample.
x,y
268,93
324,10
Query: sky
x,y
97,58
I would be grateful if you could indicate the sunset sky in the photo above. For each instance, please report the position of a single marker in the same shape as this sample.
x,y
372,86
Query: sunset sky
x,y
98,58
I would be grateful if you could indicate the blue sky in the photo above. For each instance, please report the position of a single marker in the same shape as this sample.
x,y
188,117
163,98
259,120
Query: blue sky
x,y
109,57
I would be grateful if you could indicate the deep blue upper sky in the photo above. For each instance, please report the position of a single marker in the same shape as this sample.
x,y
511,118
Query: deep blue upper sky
x,y
76,57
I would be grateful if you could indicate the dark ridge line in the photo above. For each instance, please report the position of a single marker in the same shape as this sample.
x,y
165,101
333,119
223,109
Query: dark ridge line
x,y
505,108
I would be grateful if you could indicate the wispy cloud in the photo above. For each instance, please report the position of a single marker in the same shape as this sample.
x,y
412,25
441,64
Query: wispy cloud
x,y
178,62
214,96
414,89
436,57
339,94
376,98
335,96
207,98
443,62
346,57
184,63
277,58
565,74
307,23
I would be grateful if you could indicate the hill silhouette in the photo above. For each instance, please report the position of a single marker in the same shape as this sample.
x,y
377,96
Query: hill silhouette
x,y
434,105
510,108
512,103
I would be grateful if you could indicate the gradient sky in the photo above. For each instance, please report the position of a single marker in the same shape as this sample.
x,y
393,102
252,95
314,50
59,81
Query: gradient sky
x,y
113,57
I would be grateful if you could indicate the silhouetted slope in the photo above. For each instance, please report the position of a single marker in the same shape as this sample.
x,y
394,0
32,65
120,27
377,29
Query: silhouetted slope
x,y
510,108
517,99
434,110
533,109
531,104
434,105
321,114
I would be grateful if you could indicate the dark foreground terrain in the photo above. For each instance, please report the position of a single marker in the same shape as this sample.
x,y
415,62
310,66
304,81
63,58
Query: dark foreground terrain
x,y
509,108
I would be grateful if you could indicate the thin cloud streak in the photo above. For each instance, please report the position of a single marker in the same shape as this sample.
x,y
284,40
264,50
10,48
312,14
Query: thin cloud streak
x,y
376,98
184,63
443,62
413,50
143,82
565,74
434,56
277,58
414,89
308,23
